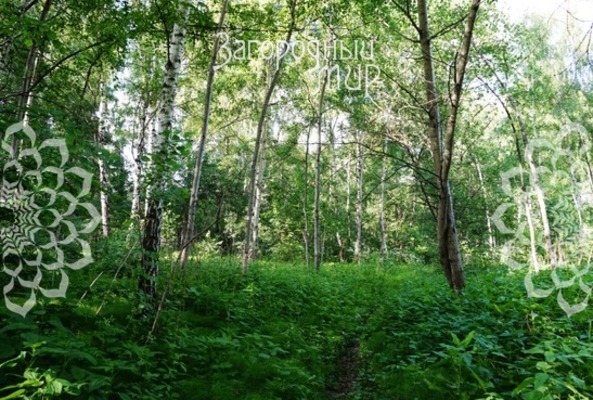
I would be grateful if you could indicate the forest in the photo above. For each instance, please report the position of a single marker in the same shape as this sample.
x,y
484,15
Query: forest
x,y
296,199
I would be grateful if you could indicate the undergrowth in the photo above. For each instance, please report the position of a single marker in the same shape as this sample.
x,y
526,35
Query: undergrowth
x,y
279,332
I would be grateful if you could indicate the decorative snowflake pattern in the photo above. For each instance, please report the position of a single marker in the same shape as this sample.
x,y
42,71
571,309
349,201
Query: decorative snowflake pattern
x,y
41,222
562,170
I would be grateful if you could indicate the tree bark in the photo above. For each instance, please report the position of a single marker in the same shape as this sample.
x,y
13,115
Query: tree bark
x,y
340,247
383,249
333,193
317,252
539,192
589,169
25,98
151,240
575,197
103,177
188,234
247,249
259,193
146,122
442,147
348,194
359,194
531,227
140,147
491,239
306,198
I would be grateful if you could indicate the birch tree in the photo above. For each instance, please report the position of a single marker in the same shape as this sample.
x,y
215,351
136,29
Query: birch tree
x,y
159,151
103,178
259,191
144,124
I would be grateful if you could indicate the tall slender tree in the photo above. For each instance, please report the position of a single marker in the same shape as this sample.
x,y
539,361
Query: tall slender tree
x,y
25,96
359,196
252,193
317,205
306,198
103,177
442,147
382,224
189,231
151,240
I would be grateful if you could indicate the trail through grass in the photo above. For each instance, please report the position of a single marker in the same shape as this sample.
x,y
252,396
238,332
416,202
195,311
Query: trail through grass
x,y
284,332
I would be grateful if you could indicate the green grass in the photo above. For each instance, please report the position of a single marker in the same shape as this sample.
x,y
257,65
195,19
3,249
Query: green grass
x,y
279,333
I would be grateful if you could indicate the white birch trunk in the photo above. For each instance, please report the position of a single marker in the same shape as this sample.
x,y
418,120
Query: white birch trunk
x,y
139,149
103,177
154,205
259,193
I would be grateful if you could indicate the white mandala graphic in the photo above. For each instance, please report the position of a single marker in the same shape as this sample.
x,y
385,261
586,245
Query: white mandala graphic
x,y
41,222
557,178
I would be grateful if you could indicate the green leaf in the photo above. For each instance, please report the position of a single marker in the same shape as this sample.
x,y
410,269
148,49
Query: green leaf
x,y
535,395
468,339
540,380
578,381
456,340
543,366
57,386
527,382
14,395
14,361
550,356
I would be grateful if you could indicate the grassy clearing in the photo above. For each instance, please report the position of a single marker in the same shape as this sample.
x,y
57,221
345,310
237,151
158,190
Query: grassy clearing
x,y
280,332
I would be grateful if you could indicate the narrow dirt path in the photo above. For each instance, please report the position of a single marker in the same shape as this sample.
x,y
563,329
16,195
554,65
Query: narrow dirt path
x,y
348,365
